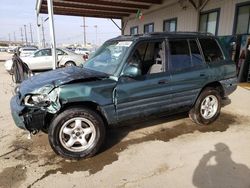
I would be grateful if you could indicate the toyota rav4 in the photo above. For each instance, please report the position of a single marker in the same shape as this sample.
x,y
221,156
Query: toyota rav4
x,y
128,77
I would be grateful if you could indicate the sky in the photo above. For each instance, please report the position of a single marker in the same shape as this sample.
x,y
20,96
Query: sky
x,y
14,14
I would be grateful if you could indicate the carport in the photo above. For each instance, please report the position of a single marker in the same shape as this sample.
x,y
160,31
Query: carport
x,y
113,9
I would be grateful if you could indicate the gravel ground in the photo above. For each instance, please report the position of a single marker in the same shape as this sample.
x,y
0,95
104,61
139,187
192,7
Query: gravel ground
x,y
163,152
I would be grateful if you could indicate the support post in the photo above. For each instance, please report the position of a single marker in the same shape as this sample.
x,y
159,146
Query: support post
x,y
52,33
38,31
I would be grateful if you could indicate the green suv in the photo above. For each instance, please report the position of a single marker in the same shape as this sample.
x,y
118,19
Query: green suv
x,y
128,77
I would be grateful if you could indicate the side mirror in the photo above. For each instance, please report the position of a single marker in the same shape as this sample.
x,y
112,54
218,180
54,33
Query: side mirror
x,y
131,71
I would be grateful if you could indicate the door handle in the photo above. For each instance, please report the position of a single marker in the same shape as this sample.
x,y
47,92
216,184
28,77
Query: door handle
x,y
164,81
202,74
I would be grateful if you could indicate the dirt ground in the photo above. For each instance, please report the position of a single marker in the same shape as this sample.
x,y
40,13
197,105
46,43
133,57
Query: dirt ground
x,y
168,152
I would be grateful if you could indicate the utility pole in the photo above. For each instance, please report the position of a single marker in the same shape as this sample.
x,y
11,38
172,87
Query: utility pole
x,y
43,40
9,38
25,33
14,35
84,32
95,26
21,29
31,34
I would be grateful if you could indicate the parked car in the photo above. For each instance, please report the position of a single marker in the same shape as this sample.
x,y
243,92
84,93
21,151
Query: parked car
x,y
42,59
27,51
148,74
82,51
3,49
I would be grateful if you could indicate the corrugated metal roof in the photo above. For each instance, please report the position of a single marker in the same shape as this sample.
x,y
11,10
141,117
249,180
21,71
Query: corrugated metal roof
x,y
97,8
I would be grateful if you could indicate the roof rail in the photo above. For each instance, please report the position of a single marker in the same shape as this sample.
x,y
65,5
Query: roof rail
x,y
181,32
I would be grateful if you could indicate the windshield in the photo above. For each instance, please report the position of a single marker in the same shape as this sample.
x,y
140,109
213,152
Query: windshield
x,y
108,57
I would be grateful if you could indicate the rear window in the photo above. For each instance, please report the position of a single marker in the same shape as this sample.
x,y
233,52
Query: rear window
x,y
211,50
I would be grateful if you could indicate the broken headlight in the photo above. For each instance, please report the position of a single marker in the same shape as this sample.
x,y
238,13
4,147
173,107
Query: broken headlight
x,y
37,100
41,100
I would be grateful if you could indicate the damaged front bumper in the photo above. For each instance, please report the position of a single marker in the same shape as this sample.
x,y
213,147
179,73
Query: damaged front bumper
x,y
31,119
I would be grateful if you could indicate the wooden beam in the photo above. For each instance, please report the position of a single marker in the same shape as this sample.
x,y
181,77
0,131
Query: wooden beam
x,y
203,5
147,1
87,13
84,15
111,3
90,7
193,4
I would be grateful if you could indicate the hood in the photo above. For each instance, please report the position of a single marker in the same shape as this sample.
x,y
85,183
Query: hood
x,y
58,77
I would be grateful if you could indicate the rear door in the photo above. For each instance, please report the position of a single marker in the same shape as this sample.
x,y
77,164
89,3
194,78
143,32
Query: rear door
x,y
189,72
145,94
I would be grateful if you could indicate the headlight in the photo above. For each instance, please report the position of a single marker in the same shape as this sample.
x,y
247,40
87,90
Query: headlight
x,y
41,100
37,100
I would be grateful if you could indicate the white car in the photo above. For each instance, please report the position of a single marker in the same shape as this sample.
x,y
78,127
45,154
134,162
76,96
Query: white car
x,y
82,51
42,59
27,51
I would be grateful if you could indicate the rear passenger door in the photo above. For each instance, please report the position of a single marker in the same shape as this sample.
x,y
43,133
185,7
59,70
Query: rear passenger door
x,y
215,58
188,71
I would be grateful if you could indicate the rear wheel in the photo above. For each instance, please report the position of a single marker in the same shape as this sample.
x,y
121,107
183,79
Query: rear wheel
x,y
207,107
69,64
77,133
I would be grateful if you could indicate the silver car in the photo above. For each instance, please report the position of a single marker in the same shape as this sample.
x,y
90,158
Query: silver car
x,y
42,59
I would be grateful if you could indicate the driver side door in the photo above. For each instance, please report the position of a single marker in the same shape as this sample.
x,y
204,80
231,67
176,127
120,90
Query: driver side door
x,y
145,94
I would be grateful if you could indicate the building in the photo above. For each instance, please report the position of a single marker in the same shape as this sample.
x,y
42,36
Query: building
x,y
229,19
220,17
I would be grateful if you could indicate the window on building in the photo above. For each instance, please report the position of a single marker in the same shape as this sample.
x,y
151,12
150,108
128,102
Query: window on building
x,y
170,25
134,30
149,28
209,21
242,19
211,50
195,53
179,55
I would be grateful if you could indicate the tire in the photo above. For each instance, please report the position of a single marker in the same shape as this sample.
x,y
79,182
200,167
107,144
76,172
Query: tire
x,y
77,133
69,64
207,107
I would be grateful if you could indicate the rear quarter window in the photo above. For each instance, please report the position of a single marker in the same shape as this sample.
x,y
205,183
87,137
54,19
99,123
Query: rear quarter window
x,y
211,50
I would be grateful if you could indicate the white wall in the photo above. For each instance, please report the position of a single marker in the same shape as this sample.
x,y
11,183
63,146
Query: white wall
x,y
187,19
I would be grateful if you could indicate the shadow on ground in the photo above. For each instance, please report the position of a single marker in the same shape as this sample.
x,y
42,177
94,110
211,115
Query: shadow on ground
x,y
224,173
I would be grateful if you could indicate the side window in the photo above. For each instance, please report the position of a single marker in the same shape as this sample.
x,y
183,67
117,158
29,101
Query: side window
x,y
149,57
195,53
38,53
59,52
211,50
179,55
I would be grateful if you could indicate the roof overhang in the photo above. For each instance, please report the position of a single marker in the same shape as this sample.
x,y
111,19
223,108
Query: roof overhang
x,y
116,9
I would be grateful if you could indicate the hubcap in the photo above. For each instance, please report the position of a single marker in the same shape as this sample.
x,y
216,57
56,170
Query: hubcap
x,y
77,134
69,64
209,107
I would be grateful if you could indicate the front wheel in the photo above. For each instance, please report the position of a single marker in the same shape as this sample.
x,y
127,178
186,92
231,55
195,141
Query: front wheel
x,y
77,133
207,107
